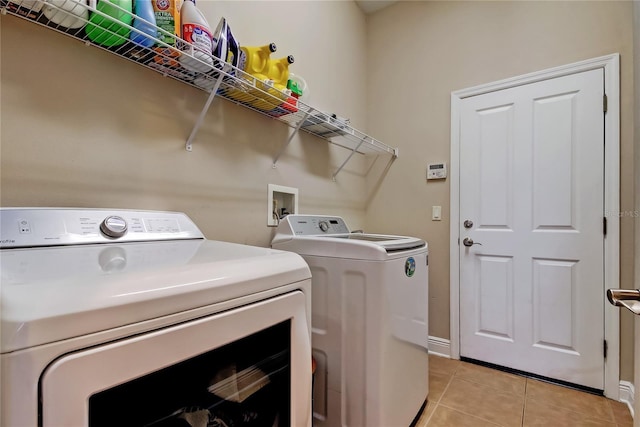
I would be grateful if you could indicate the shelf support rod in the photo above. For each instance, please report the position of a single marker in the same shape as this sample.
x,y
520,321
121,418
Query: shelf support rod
x,y
348,158
295,131
203,113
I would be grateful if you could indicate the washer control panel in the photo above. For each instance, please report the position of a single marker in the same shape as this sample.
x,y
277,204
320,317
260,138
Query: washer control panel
x,y
309,225
33,227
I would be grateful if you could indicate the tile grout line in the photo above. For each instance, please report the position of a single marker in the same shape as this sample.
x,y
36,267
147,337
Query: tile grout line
x,y
435,407
453,375
441,395
613,414
486,420
470,415
524,403
608,415
481,384
593,417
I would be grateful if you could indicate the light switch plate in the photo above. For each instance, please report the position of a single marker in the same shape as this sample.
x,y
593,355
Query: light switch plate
x,y
436,213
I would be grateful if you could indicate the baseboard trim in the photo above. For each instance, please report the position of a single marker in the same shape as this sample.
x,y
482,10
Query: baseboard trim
x,y
440,347
627,395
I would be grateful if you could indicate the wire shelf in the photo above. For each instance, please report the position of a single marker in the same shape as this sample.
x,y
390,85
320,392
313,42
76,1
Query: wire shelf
x,y
163,52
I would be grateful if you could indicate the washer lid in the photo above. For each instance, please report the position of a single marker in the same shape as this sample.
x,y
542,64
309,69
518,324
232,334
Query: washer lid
x,y
329,236
389,243
54,293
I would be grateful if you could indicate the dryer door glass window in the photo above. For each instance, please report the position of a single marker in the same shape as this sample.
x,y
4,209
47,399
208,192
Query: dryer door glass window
x,y
243,383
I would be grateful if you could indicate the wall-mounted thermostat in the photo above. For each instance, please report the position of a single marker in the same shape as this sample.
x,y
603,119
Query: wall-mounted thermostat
x,y
436,171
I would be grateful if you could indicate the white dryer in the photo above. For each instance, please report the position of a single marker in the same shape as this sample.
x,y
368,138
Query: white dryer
x,y
369,321
116,317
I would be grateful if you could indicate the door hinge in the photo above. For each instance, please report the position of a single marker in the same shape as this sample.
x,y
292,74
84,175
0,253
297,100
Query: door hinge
x,y
605,102
604,225
427,257
604,348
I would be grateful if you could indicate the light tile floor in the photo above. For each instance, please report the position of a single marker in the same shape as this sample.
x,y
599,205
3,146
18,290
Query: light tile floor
x,y
463,394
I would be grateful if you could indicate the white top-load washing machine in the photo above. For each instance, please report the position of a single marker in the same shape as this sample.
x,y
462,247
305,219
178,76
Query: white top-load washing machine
x,y
369,321
116,317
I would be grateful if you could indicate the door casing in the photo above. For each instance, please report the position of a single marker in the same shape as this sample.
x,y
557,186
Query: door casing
x,y
611,66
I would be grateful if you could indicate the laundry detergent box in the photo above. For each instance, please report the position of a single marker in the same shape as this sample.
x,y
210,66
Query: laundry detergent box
x,y
28,8
167,14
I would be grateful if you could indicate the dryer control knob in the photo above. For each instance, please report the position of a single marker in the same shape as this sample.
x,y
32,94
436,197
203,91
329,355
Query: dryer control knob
x,y
324,226
114,226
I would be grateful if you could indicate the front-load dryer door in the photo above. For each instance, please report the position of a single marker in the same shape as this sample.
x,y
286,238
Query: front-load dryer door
x,y
218,368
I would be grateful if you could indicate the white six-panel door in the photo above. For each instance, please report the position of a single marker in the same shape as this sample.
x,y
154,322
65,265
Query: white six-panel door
x,y
532,184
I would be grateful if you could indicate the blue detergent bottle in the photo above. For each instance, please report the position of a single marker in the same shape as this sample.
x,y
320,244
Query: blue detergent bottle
x,y
144,10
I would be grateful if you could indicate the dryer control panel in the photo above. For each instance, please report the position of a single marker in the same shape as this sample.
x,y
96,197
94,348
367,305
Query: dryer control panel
x,y
311,225
34,227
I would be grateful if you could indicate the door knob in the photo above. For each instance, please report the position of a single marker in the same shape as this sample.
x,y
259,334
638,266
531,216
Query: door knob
x,y
469,242
467,223
627,298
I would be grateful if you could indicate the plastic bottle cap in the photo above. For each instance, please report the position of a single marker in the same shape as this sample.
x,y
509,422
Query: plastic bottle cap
x,y
294,87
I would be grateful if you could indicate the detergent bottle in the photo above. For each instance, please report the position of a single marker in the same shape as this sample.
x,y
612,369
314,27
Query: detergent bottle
x,y
196,32
279,72
108,31
257,60
167,16
144,9
67,14
278,76
256,64
253,61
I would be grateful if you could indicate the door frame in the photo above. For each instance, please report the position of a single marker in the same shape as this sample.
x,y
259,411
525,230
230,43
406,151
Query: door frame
x,y
611,66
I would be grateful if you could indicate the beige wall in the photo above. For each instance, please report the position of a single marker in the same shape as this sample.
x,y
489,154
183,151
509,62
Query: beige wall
x,y
419,52
81,127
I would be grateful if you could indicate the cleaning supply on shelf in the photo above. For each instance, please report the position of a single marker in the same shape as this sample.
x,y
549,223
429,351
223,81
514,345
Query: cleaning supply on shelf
x,y
256,66
257,59
278,72
107,30
291,104
28,8
167,16
196,32
277,78
70,14
295,88
301,91
287,107
145,23
251,60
